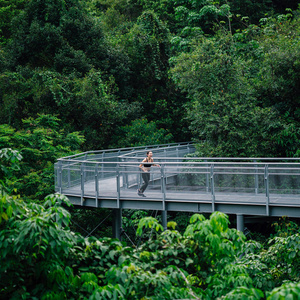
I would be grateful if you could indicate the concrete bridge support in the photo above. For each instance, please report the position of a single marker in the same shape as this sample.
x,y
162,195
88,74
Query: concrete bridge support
x,y
240,223
164,219
117,223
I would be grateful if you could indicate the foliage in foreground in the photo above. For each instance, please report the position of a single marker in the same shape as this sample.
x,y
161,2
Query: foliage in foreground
x,y
43,259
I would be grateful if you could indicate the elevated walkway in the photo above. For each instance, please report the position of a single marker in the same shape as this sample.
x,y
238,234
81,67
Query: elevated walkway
x,y
241,186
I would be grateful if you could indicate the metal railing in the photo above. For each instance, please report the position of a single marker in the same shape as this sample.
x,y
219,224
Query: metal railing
x,y
115,174
77,170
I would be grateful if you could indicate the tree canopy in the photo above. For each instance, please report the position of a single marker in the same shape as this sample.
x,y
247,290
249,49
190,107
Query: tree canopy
x,y
226,72
44,259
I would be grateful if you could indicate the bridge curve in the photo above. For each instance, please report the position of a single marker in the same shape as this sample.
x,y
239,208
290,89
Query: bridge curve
x,y
241,186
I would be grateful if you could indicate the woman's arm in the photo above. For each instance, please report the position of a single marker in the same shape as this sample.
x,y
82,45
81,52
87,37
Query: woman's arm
x,y
155,165
141,166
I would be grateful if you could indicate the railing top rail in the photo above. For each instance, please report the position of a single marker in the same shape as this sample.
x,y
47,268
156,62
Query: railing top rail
x,y
230,159
117,150
270,164
89,156
153,149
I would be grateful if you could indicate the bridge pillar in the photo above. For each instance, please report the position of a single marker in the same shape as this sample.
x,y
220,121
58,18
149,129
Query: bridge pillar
x,y
240,223
117,223
164,219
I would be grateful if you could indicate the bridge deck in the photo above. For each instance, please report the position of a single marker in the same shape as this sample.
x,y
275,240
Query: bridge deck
x,y
262,187
193,201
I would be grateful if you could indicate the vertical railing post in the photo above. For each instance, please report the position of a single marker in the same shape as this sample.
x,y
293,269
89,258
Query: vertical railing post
x,y
207,177
59,176
177,165
165,155
102,165
163,186
118,185
212,184
69,173
256,177
82,171
85,173
96,185
139,173
125,175
267,189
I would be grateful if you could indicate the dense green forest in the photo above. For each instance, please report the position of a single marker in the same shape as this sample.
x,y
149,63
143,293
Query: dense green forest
x,y
87,75
96,74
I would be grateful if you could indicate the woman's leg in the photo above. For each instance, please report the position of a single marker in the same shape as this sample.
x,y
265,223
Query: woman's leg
x,y
146,178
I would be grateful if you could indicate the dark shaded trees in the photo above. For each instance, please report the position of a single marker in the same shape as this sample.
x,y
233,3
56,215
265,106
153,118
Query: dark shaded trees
x,y
102,66
241,103
59,35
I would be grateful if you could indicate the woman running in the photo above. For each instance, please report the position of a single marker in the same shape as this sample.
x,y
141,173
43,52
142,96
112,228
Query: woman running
x,y
145,166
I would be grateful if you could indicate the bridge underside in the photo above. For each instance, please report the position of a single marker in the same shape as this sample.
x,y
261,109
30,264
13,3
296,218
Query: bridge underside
x,y
238,207
233,207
